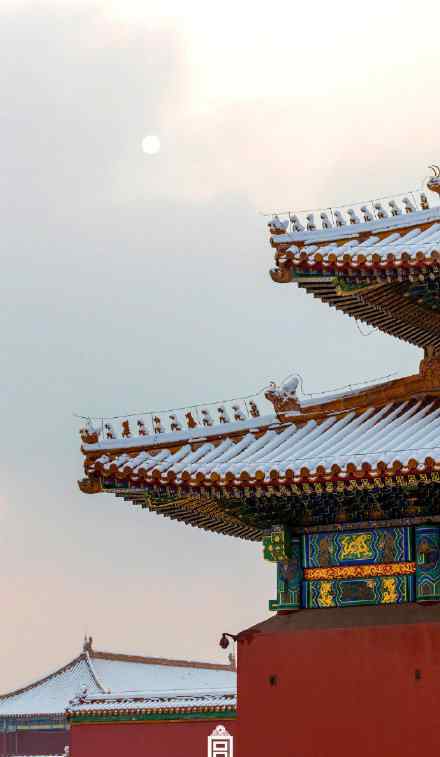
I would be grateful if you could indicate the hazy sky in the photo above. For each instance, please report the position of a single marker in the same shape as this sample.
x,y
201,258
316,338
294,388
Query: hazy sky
x,y
133,282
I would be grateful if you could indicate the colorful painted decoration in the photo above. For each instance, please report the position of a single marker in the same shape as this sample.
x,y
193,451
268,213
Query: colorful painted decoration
x,y
277,544
370,546
358,591
354,567
428,563
289,578
360,571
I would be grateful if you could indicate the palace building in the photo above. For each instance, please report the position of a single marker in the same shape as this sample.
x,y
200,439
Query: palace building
x,y
104,687
342,491
162,723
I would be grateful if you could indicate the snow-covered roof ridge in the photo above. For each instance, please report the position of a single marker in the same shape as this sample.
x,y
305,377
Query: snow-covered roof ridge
x,y
368,222
154,448
165,661
185,693
139,701
99,684
164,426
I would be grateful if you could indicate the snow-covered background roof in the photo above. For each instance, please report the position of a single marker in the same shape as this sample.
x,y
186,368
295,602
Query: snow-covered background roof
x,y
119,675
115,673
51,694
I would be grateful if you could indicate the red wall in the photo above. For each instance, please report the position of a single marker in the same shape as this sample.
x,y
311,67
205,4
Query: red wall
x,y
339,692
42,742
33,742
184,739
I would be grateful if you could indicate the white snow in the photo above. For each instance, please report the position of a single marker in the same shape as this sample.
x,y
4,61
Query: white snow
x,y
353,231
149,700
99,676
414,241
394,432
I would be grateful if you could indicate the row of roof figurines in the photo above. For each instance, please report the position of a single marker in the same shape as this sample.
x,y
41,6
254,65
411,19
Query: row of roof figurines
x,y
375,212
282,397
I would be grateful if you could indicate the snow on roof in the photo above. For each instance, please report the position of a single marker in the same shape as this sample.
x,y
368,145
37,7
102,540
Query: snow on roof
x,y
199,433
202,433
416,240
51,694
361,230
384,273
141,701
100,672
121,675
403,430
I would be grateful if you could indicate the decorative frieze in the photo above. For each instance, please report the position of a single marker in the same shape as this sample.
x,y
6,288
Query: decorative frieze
x,y
428,563
358,591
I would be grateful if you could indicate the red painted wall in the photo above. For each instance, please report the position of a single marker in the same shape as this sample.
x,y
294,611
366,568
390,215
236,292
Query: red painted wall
x,y
33,742
339,692
42,742
184,739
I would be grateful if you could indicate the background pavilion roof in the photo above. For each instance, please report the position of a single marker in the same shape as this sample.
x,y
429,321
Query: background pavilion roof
x,y
101,672
384,272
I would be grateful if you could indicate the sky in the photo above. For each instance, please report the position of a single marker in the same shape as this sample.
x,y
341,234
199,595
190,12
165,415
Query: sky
x,y
134,281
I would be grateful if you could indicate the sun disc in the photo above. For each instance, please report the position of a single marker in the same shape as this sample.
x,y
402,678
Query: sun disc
x,y
151,144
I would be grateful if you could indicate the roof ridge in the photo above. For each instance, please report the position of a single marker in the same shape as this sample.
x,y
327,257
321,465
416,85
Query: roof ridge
x,y
132,696
94,674
166,661
40,681
346,231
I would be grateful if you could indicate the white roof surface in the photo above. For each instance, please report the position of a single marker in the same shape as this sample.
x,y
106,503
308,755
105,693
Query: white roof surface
x,y
99,676
129,676
397,431
51,695
414,240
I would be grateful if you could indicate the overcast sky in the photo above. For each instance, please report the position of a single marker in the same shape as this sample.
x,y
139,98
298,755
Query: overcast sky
x,y
132,281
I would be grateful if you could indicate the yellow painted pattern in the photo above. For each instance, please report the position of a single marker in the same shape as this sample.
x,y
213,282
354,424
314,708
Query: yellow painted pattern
x,y
325,598
356,547
389,590
360,571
